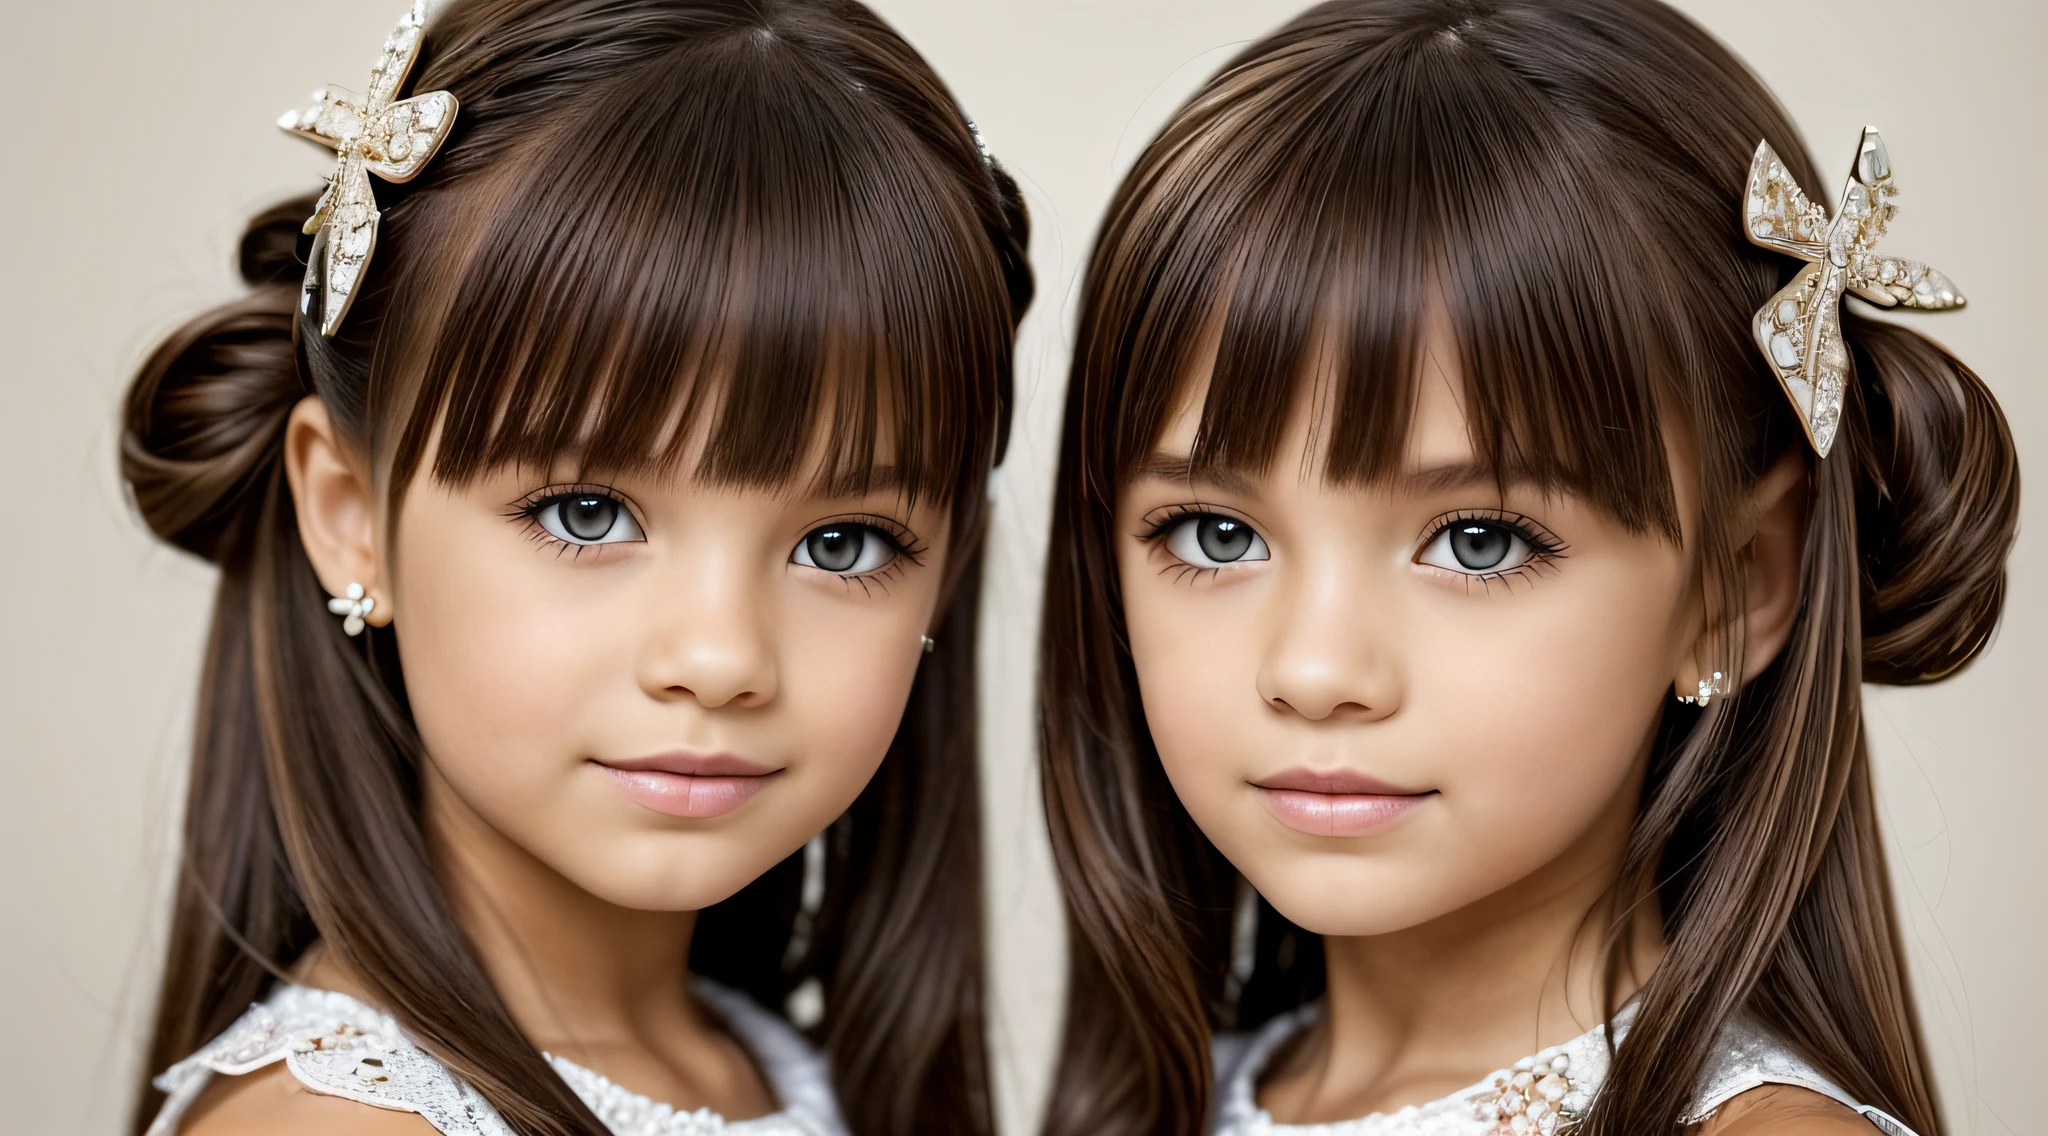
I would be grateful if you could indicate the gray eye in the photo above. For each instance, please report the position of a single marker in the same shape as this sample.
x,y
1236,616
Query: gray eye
x,y
1475,547
1212,541
835,550
1223,539
845,549
1480,546
587,518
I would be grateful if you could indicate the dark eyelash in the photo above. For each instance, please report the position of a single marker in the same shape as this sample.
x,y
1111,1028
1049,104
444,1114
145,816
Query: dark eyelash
x,y
1171,516
1165,520
902,539
908,547
527,510
1547,549
1534,534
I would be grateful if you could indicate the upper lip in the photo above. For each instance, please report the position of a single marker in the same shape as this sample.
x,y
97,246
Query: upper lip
x,y
689,764
1345,782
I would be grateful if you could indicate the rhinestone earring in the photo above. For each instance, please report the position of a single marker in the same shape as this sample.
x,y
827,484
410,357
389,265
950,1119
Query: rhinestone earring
x,y
1708,688
930,644
352,609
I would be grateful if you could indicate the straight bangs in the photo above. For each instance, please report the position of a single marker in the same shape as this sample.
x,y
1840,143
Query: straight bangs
x,y
755,271
1441,180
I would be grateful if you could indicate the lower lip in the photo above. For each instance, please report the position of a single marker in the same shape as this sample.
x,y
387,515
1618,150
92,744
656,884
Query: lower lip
x,y
682,795
1338,814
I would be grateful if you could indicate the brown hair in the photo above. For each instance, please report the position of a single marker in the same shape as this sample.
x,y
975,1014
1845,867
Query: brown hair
x,y
768,217
1566,176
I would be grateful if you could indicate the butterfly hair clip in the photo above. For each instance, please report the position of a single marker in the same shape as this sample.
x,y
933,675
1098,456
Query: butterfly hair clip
x,y
372,134
1800,330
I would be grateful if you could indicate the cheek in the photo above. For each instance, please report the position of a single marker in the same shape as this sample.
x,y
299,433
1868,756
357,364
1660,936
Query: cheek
x,y
503,664
1528,711
846,671
1544,692
521,667
1192,648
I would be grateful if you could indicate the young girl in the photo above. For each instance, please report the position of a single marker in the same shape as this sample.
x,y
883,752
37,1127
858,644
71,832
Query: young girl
x,y
597,526
1476,517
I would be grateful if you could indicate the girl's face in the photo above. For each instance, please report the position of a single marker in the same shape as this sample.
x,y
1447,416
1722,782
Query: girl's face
x,y
658,688
1386,704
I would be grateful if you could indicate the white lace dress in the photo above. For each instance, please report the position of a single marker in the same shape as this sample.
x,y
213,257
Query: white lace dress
x,y
340,1047
1535,1097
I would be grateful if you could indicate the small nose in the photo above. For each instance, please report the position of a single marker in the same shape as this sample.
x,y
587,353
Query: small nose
x,y
1331,653
711,641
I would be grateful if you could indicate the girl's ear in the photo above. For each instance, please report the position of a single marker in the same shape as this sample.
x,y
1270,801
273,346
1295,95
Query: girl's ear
x,y
1776,516
336,506
1770,535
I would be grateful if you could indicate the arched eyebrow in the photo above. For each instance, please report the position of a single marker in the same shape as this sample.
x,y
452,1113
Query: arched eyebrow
x,y
1420,481
1180,468
1446,476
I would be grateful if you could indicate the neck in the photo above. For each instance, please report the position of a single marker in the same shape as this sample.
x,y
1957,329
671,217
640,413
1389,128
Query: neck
x,y
579,975
1507,976
1424,1011
576,971
603,985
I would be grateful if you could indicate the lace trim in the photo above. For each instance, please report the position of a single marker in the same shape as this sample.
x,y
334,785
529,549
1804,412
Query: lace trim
x,y
1471,1111
1748,1058
338,1046
798,1075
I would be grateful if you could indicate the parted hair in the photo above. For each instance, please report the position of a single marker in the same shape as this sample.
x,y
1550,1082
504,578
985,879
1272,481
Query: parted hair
x,y
766,216
1565,177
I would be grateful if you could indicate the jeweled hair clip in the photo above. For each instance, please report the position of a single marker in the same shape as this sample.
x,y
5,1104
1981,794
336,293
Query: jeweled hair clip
x,y
1800,330
371,134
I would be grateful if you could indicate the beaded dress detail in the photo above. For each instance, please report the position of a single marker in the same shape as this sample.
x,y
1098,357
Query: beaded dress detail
x,y
337,1046
1543,1094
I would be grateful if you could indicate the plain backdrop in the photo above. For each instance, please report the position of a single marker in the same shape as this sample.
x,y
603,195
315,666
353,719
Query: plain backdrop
x,y
138,137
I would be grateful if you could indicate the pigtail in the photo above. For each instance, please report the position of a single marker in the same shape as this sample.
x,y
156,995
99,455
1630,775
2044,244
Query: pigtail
x,y
201,450
1759,833
301,816
1937,506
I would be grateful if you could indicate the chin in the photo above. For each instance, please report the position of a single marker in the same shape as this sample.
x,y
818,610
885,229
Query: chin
x,y
665,874
1345,901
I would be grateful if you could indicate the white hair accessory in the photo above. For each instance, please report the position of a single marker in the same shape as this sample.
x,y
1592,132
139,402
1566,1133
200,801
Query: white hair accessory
x,y
1800,330
372,134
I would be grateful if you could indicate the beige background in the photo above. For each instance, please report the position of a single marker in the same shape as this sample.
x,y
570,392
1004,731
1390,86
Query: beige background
x,y
138,136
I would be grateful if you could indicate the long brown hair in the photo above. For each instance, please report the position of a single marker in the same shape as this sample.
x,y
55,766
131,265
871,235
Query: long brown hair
x,y
1566,176
767,216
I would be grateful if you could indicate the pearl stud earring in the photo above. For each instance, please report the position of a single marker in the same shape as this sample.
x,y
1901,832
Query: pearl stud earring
x,y
352,609
930,644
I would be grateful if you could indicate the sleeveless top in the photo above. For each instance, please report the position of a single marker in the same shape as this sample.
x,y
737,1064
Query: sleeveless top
x,y
340,1047
1538,1096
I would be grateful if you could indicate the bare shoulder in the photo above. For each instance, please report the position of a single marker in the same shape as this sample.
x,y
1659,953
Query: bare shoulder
x,y
1785,1110
271,1100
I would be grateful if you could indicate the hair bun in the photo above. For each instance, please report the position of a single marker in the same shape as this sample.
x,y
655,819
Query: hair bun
x,y
203,428
1937,504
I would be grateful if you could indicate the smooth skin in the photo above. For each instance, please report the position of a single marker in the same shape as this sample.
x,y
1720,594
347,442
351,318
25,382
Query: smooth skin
x,y
693,624
1518,703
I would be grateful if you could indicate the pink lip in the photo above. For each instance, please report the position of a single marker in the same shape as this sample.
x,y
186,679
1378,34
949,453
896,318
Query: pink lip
x,y
1335,802
688,784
